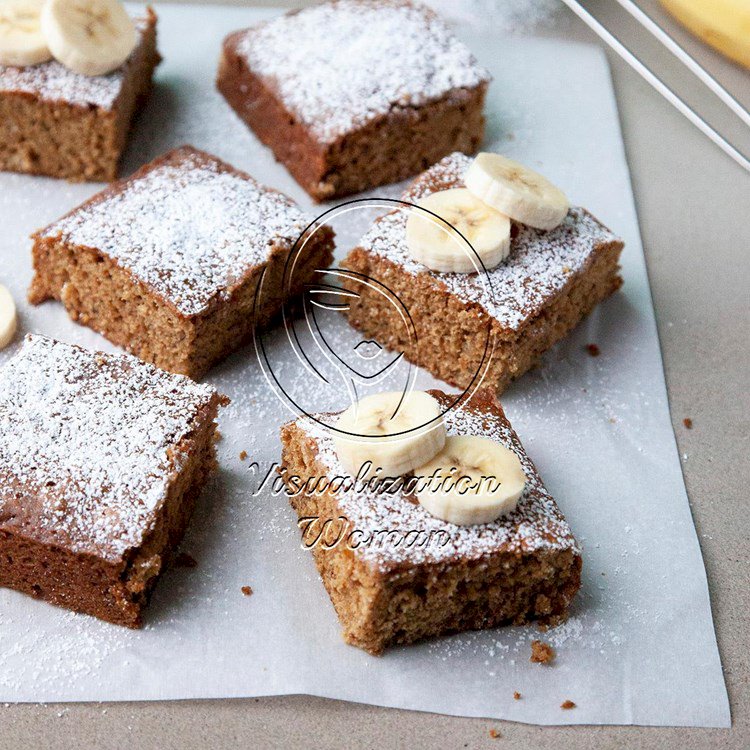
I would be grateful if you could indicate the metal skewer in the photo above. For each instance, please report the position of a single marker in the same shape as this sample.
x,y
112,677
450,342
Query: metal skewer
x,y
648,75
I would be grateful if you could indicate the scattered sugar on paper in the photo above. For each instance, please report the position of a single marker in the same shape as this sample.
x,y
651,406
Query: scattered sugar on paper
x,y
513,16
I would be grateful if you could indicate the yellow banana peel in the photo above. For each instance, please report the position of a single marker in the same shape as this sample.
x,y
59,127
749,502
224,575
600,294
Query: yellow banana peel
x,y
723,24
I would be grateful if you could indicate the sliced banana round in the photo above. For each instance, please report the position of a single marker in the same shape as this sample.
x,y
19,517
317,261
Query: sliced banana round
x,y
435,243
8,317
391,432
515,190
21,40
91,37
472,480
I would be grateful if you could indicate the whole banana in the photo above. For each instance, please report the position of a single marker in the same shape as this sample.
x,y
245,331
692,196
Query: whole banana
x,y
723,24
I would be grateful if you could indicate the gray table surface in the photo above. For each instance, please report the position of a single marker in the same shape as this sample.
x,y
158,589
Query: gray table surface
x,y
694,205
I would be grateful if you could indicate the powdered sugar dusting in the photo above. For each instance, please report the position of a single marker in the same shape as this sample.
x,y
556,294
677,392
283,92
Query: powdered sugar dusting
x,y
86,443
191,228
52,81
536,524
540,264
342,64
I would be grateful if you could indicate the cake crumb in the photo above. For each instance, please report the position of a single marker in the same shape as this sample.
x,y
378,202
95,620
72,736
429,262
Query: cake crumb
x,y
494,733
542,653
183,560
567,705
516,696
247,590
593,350
243,455
688,423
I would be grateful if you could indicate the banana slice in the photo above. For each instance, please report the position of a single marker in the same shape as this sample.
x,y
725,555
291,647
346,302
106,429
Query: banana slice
x,y
437,245
393,432
21,40
8,317
91,37
517,191
476,480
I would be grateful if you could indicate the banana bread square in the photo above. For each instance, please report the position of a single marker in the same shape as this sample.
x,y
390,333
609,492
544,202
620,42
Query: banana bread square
x,y
472,327
397,574
102,458
179,262
59,123
352,94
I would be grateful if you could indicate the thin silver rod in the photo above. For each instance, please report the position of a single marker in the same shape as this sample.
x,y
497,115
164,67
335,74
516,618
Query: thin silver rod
x,y
684,57
658,84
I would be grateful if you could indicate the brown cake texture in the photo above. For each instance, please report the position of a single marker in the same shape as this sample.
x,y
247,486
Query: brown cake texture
x,y
102,458
398,574
63,124
352,94
179,263
493,326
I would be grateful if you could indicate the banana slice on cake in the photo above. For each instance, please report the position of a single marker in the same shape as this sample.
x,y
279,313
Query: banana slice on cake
x,y
8,317
21,40
91,37
393,432
472,480
515,190
435,242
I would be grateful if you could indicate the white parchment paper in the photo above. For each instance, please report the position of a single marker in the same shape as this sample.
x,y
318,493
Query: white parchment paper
x,y
639,647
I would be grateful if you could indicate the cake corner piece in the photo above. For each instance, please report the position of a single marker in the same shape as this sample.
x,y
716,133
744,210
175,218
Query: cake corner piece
x,y
102,458
419,92
168,262
58,123
514,312
388,590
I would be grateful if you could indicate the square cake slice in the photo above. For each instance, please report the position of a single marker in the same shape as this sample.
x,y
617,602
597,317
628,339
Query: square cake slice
x,y
397,574
493,326
63,124
352,94
168,262
101,460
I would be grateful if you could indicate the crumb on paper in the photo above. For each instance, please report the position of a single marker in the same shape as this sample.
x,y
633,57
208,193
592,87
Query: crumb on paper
x,y
593,350
494,733
243,455
542,653
516,696
566,705
247,590
183,560
688,423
